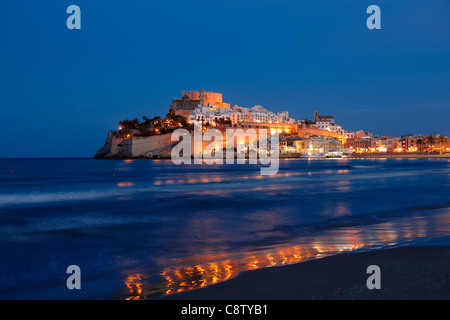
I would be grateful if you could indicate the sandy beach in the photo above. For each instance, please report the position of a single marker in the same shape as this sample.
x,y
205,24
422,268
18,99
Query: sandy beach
x,y
411,273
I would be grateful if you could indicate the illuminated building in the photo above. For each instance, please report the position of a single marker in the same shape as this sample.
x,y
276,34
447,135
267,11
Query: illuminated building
x,y
321,145
238,115
193,99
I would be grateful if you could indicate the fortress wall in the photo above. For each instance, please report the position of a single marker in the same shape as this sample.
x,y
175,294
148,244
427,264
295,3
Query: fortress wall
x,y
192,95
140,146
213,97
210,97
307,131
115,149
184,113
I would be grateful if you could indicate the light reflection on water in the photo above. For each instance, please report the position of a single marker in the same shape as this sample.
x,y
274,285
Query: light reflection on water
x,y
153,228
186,274
200,270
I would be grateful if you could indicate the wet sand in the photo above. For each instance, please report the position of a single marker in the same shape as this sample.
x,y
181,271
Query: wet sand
x,y
411,272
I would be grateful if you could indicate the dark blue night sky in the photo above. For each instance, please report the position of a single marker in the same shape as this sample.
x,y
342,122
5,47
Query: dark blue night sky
x,y
62,90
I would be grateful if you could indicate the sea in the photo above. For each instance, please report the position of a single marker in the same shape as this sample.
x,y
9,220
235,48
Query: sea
x,y
144,229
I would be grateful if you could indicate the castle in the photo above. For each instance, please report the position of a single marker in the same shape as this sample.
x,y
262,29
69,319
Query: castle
x,y
190,100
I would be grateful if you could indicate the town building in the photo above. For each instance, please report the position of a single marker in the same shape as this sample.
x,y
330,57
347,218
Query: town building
x,y
322,146
238,114
326,123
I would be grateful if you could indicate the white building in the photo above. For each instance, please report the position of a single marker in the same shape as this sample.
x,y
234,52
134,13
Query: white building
x,y
326,123
282,117
209,114
349,135
321,145
239,114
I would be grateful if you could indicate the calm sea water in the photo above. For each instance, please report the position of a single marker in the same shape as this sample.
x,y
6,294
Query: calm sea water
x,y
142,229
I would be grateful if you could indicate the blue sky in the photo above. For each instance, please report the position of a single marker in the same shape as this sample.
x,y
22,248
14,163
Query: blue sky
x,y
62,90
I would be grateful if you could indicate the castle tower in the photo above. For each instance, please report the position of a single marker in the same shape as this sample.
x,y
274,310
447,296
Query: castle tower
x,y
316,116
202,97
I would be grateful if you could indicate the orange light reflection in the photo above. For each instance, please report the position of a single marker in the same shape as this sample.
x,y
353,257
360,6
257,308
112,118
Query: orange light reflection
x,y
191,277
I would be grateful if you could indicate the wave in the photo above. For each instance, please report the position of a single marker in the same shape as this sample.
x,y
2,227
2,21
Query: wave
x,y
371,166
186,186
46,197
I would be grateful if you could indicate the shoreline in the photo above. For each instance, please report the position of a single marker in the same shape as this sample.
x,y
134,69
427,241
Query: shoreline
x,y
412,272
400,155
359,156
